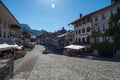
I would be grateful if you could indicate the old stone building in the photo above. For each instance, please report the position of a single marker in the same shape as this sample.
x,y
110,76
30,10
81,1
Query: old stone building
x,y
95,22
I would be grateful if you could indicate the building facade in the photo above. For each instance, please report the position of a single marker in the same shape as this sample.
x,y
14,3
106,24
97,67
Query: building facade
x,y
100,23
70,37
6,54
82,29
7,20
95,23
16,34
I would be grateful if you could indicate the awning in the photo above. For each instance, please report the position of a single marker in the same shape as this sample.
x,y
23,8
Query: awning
x,y
4,47
14,46
19,47
6,44
76,47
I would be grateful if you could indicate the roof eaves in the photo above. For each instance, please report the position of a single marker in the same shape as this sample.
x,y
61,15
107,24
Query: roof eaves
x,y
80,19
93,13
9,11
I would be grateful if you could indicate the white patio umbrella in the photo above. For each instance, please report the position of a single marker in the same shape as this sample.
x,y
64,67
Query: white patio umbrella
x,y
14,46
19,47
4,46
76,47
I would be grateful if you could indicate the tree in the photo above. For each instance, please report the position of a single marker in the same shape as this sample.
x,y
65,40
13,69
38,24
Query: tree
x,y
114,28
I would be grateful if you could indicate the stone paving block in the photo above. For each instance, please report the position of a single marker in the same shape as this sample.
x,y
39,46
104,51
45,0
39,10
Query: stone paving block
x,y
60,67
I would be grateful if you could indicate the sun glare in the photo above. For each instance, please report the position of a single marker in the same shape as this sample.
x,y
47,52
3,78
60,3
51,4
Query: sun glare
x,y
53,5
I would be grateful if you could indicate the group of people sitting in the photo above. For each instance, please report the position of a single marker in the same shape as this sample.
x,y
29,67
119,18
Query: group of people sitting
x,y
73,52
6,54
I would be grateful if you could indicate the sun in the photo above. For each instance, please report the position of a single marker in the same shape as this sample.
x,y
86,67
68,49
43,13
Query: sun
x,y
53,5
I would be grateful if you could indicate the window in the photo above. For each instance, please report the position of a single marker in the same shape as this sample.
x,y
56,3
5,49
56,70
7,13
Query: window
x,y
0,32
113,12
4,34
106,26
103,15
83,30
83,39
98,27
76,32
88,29
79,31
103,27
79,39
76,39
96,18
8,35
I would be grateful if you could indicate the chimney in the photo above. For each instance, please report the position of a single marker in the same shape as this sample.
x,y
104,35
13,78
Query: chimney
x,y
81,16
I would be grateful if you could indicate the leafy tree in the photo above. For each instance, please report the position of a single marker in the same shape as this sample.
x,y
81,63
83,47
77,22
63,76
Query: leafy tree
x,y
104,48
114,28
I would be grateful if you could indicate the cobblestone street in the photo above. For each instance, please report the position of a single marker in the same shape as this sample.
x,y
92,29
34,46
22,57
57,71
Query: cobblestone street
x,y
38,66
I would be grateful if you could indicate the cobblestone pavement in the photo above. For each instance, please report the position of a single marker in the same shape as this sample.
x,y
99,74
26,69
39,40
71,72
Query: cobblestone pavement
x,y
60,67
24,66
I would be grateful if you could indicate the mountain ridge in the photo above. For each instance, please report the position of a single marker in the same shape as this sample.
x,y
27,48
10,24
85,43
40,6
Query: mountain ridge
x,y
28,29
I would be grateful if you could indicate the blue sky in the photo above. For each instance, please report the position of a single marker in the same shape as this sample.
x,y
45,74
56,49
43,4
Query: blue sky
x,y
52,15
